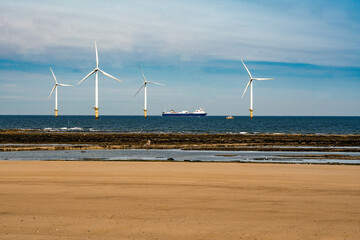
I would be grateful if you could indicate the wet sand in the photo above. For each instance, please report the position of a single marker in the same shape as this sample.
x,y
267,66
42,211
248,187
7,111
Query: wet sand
x,y
31,140
177,200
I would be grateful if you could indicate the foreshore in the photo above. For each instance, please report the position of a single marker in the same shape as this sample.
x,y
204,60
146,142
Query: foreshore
x,y
20,140
177,200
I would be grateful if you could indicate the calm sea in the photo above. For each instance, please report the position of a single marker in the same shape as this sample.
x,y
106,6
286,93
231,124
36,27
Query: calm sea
x,y
210,124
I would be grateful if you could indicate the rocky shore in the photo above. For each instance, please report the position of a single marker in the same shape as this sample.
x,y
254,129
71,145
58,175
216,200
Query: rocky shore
x,y
21,140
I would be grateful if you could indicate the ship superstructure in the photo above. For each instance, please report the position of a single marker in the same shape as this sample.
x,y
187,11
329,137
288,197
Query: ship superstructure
x,y
198,113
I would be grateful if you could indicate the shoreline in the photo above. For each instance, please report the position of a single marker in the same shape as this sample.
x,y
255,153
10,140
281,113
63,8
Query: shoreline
x,y
24,130
17,140
196,161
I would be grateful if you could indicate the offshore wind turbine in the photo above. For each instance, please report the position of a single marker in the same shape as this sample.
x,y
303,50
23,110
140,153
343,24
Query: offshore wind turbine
x,y
251,88
96,71
56,92
145,90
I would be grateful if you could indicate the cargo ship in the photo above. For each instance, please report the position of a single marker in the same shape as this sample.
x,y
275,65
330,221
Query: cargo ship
x,y
198,113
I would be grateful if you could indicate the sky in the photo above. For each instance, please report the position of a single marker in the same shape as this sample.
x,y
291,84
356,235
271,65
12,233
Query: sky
x,y
310,48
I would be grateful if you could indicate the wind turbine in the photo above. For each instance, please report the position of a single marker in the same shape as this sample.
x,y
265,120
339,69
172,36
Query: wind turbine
x,y
96,71
145,89
56,93
251,88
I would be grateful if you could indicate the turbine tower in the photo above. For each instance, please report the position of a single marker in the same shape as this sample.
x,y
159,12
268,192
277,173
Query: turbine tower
x,y
96,71
56,92
145,90
251,88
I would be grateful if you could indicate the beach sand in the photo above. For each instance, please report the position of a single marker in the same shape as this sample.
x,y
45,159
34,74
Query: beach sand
x,y
177,200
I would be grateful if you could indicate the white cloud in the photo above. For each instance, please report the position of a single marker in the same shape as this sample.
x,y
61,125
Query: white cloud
x,y
202,29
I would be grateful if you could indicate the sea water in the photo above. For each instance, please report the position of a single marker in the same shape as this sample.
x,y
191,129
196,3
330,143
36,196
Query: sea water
x,y
196,125
179,155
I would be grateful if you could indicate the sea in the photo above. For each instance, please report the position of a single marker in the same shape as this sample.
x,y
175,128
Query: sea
x,y
184,156
193,125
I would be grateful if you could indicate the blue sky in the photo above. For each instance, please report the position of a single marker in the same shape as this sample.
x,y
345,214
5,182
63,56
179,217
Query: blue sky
x,y
311,48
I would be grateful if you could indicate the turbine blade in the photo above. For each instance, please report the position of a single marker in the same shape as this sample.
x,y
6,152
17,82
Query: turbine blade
x,y
65,85
139,89
106,74
247,86
246,68
262,79
97,56
142,73
52,91
157,83
86,77
53,75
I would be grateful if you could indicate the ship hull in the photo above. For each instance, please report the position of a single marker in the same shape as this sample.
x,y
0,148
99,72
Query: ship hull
x,y
184,114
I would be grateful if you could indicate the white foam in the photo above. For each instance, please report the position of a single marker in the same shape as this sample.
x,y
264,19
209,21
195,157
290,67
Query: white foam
x,y
50,129
75,129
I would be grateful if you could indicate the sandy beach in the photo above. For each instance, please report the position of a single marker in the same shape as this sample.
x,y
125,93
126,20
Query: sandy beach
x,y
177,200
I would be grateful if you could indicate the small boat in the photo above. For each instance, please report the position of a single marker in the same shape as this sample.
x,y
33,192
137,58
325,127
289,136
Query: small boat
x,y
229,117
198,113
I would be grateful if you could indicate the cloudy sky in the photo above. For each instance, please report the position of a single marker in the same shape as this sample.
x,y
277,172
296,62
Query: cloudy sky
x,y
311,48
